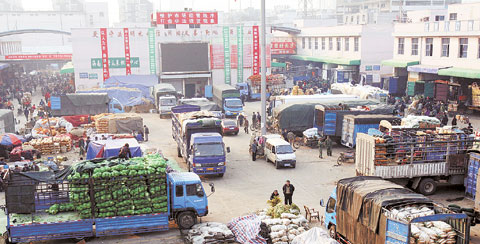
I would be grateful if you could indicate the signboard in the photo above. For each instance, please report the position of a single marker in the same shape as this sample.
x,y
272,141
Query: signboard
x,y
239,54
256,50
104,48
284,47
126,41
39,56
151,51
115,63
204,18
83,75
92,76
226,54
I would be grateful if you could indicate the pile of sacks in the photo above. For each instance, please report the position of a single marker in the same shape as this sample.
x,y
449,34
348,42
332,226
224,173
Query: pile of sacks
x,y
210,233
284,229
433,232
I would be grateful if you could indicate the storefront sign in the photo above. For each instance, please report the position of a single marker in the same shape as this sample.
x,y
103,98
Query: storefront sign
x,y
115,63
151,51
284,48
239,54
204,18
226,54
83,75
92,76
126,41
256,50
105,61
39,56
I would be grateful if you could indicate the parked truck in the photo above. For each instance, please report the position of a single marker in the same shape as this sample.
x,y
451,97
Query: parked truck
x,y
165,97
422,159
354,124
83,103
199,140
228,98
369,210
122,198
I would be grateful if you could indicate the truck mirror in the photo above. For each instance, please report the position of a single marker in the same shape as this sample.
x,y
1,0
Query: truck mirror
x,y
212,187
322,203
228,149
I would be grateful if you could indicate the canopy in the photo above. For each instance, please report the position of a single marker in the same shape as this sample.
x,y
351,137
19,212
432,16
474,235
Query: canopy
x,y
421,68
10,139
111,148
67,68
399,63
141,82
460,72
331,60
279,65
4,66
126,96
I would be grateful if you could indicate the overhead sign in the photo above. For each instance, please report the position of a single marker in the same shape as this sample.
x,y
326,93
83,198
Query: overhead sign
x,y
115,63
203,18
256,50
284,48
39,56
105,60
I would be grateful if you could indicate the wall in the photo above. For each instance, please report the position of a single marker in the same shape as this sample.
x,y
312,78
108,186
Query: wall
x,y
376,45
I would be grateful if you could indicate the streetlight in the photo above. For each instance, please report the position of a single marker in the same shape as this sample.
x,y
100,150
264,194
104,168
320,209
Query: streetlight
x,y
263,49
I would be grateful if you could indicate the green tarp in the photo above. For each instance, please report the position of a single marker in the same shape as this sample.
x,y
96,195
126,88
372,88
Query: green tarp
x,y
399,63
330,60
279,65
459,72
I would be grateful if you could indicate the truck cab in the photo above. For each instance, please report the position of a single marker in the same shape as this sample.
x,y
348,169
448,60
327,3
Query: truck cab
x,y
244,89
232,107
207,154
165,104
331,213
187,198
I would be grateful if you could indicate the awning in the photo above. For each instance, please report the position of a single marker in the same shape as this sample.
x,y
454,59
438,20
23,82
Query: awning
x,y
399,63
3,65
330,60
185,76
279,65
307,58
460,72
421,68
67,68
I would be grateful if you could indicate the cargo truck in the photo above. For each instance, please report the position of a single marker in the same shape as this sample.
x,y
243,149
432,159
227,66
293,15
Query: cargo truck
x,y
421,159
84,103
369,210
165,97
228,98
31,196
199,140
354,124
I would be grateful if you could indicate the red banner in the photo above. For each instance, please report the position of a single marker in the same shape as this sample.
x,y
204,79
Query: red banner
x,y
104,45
203,18
126,40
256,50
40,56
284,48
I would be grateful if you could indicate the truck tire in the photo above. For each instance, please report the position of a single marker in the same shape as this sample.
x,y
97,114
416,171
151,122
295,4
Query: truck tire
x,y
179,152
185,220
427,186
332,232
220,175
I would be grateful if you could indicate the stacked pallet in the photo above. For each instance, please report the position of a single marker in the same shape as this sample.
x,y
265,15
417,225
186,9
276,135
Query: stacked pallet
x,y
101,125
50,145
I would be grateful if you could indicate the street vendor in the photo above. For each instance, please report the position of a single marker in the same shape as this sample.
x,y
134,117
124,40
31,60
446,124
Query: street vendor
x,y
125,152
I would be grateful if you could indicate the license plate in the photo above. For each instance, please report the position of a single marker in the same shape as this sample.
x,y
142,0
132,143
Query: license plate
x,y
209,168
287,165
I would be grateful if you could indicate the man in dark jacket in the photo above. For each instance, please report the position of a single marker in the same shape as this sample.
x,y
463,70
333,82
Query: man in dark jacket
x,y
146,131
288,190
125,152
254,151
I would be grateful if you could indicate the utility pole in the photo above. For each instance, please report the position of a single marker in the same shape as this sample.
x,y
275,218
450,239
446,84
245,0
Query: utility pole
x,y
263,49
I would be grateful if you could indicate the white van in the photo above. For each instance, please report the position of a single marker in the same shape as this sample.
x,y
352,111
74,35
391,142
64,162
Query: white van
x,y
280,152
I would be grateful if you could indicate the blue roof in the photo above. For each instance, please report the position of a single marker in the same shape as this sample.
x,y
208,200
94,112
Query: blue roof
x,y
184,177
206,137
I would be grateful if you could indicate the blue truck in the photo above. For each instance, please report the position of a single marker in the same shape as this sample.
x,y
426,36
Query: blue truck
x,y
249,92
354,124
185,201
199,140
228,98
369,210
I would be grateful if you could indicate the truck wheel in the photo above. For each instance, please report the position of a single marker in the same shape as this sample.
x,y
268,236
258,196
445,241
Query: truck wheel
x,y
220,175
186,220
332,231
427,186
179,153
297,144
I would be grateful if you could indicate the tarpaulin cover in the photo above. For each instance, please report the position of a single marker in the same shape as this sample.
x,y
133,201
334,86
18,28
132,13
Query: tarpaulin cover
x,y
88,99
111,148
78,103
246,229
367,119
48,176
7,121
296,117
359,205
204,104
77,120
128,125
127,97
141,82
315,235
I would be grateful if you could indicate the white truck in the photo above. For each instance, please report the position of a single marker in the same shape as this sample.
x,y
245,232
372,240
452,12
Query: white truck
x,y
165,97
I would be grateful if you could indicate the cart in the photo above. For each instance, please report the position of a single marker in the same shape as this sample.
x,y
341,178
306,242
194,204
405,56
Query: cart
x,y
346,157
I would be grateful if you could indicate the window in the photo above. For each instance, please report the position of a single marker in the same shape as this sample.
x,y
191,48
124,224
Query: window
x,y
194,26
414,46
303,42
429,47
401,45
427,27
323,43
347,44
195,190
170,26
447,26
435,26
331,205
316,43
330,43
453,16
339,44
470,25
479,48
439,18
463,48
363,19
101,14
458,26
358,19
356,44
179,191
445,47
309,43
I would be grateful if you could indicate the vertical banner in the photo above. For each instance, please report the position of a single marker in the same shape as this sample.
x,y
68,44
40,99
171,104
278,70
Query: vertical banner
x,y
239,54
256,50
104,45
151,51
226,52
126,40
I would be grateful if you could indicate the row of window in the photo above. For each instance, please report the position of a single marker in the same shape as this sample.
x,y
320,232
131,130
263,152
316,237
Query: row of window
x,y
445,49
338,41
446,26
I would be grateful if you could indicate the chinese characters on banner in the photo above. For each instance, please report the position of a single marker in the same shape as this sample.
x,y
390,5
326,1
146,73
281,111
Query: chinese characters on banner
x,y
226,54
284,48
256,50
65,56
103,43
204,18
127,51
151,51
239,54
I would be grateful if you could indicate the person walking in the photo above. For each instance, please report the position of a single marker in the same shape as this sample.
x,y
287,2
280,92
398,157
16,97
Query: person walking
x,y
246,126
328,145
254,120
259,120
454,121
321,145
81,146
254,151
291,138
146,131
26,112
288,190
240,119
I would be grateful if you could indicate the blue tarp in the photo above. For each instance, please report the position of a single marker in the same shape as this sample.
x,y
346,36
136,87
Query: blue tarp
x,y
142,82
4,65
125,97
111,148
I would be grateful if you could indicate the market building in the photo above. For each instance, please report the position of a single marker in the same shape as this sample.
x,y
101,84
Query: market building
x,y
439,56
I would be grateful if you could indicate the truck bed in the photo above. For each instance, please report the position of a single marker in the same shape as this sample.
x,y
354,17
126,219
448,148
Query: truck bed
x,y
127,225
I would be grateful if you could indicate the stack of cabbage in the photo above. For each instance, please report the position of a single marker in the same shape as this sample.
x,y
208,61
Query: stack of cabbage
x,y
79,195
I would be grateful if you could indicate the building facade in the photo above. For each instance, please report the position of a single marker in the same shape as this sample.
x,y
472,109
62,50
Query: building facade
x,y
135,11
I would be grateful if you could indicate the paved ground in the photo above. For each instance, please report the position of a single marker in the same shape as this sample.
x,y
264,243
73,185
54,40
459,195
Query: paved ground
x,y
247,185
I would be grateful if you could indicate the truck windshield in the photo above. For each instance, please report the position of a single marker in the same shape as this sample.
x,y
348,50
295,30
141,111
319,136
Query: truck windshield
x,y
233,103
209,150
284,149
167,102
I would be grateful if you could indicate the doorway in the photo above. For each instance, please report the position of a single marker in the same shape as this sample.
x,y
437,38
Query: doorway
x,y
189,90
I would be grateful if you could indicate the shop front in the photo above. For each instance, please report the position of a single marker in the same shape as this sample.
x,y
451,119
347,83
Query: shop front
x,y
397,84
465,89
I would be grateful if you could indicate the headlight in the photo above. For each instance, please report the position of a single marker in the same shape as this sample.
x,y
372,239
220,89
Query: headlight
x,y
221,164
198,165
